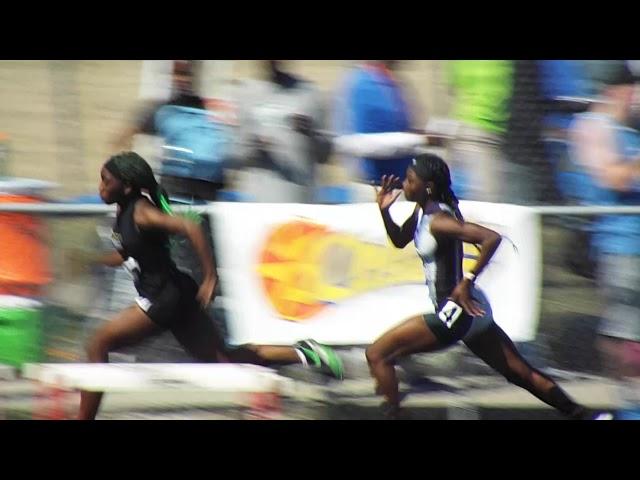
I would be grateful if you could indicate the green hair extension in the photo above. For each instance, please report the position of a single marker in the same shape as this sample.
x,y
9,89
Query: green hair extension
x,y
164,203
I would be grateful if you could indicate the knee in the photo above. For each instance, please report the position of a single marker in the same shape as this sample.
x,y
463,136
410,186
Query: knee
x,y
97,348
259,352
374,356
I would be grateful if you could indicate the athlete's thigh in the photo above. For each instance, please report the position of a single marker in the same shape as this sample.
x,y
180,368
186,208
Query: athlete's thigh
x,y
411,336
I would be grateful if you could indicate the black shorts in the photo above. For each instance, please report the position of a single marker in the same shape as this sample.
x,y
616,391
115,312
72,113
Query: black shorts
x,y
465,327
448,336
174,302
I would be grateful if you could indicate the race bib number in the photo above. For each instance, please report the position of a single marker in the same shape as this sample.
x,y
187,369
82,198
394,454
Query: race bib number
x,y
450,313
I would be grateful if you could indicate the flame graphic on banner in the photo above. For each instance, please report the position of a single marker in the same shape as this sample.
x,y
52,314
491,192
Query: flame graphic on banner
x,y
304,267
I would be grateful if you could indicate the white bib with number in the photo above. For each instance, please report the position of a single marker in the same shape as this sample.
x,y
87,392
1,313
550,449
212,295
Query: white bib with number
x,y
450,313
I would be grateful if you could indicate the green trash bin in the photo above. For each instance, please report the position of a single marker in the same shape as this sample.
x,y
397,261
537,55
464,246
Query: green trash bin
x,y
20,330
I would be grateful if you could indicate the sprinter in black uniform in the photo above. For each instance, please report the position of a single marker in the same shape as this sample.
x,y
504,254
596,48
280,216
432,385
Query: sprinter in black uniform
x,y
462,310
168,298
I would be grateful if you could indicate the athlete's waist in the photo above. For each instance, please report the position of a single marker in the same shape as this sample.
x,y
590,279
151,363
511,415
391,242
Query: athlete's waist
x,y
441,294
150,284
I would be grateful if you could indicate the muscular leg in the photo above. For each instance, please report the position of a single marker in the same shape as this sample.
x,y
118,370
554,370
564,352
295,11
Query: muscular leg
x,y
129,327
264,355
199,336
412,336
497,350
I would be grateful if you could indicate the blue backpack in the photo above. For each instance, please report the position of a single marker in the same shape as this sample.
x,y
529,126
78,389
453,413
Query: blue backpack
x,y
195,146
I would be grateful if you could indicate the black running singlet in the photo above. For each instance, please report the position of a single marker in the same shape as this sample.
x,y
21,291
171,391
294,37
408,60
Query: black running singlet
x,y
146,252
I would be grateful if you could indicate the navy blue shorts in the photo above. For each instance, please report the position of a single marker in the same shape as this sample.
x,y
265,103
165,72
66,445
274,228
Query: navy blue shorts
x,y
465,327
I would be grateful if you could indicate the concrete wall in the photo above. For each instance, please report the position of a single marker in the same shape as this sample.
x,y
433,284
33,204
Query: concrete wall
x,y
60,116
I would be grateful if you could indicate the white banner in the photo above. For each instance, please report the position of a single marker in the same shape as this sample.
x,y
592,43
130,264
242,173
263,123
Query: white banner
x,y
328,272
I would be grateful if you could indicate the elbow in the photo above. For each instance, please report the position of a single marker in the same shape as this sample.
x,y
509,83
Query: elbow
x,y
491,241
620,179
191,230
394,241
495,239
620,185
614,182
399,243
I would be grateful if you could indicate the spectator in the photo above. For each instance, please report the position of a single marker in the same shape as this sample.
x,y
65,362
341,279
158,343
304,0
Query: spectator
x,y
525,162
375,101
279,138
182,94
482,91
179,181
609,152
567,90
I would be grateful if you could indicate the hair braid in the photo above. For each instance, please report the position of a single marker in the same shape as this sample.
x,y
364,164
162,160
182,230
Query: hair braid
x,y
134,170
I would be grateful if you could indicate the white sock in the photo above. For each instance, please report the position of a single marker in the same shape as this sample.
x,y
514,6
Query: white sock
x,y
303,359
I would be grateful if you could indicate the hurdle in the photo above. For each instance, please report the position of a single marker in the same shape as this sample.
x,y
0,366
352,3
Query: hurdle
x,y
259,387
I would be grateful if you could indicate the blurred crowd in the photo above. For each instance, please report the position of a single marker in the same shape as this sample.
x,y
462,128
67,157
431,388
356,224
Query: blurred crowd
x,y
507,135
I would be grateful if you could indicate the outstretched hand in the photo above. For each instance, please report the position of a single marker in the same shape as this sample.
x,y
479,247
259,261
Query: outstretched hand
x,y
385,195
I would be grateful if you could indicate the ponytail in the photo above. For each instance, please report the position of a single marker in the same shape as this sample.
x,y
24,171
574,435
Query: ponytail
x,y
450,199
161,199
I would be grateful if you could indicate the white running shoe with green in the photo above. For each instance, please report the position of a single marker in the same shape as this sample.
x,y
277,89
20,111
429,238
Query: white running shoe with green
x,y
322,357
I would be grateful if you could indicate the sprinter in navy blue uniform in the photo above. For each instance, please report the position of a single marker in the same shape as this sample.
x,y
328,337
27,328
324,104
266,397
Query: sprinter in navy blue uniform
x,y
169,298
462,311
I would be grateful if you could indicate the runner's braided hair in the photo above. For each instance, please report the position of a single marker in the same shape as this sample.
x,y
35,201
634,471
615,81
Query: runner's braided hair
x,y
430,167
134,170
